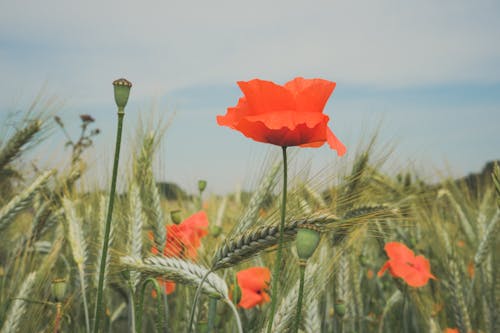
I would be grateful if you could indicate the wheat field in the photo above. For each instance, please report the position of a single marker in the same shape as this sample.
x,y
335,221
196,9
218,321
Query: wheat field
x,y
52,229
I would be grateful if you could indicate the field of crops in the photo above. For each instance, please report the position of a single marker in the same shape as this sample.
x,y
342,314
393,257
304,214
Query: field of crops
x,y
438,244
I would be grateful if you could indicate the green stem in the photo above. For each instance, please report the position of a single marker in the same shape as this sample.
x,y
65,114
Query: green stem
x,y
212,313
277,264
236,315
195,301
131,307
104,254
140,306
302,267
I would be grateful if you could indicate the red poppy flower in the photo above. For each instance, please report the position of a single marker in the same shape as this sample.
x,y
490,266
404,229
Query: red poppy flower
x,y
402,263
183,241
451,330
289,115
253,283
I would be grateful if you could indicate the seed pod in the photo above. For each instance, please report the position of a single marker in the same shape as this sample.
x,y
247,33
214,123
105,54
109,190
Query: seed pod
x,y
202,185
59,287
307,241
122,91
176,216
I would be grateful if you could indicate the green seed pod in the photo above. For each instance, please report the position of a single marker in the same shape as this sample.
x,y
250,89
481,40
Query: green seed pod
x,y
340,308
122,91
215,230
202,185
307,241
176,216
59,287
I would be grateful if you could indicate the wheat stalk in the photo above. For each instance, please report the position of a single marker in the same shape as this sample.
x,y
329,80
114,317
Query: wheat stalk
x,y
178,270
18,306
22,200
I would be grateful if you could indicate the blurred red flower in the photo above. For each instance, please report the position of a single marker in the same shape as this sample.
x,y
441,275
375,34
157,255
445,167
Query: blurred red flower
x,y
451,330
289,115
253,283
183,241
402,263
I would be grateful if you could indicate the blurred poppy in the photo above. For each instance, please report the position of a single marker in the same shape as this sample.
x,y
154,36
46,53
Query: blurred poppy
x,y
253,283
288,115
451,330
183,241
403,263
471,269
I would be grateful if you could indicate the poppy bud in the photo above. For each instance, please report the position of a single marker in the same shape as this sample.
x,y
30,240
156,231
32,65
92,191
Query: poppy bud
x,y
202,185
122,91
59,289
340,308
215,230
363,260
176,216
307,241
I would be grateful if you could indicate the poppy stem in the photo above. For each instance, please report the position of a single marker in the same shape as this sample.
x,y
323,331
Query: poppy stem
x,y
140,306
104,254
277,264
302,268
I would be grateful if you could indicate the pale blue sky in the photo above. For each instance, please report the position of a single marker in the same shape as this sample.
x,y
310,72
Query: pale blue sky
x,y
428,70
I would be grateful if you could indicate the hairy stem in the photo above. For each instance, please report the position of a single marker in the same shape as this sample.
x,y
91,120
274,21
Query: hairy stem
x,y
277,264
100,288
302,268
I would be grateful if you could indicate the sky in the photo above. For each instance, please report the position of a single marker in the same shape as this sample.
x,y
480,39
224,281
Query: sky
x,y
426,73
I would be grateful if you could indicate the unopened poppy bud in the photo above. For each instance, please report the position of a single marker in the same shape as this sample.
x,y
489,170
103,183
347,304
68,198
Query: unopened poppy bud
x,y
340,308
307,241
122,91
215,230
59,289
202,185
363,260
176,216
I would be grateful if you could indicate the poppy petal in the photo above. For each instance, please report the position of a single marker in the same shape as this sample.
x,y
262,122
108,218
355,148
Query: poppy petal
x,y
249,299
399,251
335,143
310,95
266,96
254,278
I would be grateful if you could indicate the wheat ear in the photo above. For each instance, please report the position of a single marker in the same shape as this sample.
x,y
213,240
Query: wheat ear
x,y
459,307
244,246
135,234
17,308
257,199
79,249
178,270
22,200
13,147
